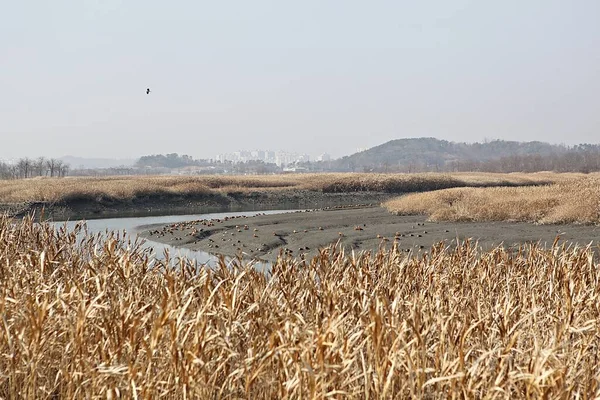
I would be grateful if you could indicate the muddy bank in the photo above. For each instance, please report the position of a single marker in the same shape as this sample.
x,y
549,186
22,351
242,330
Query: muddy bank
x,y
302,234
93,208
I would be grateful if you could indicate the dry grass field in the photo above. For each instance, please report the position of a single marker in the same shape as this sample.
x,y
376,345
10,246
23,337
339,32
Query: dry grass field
x,y
124,188
85,317
572,200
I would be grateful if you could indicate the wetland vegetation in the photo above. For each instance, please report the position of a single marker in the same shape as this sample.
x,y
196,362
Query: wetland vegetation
x,y
87,315
571,199
94,197
95,317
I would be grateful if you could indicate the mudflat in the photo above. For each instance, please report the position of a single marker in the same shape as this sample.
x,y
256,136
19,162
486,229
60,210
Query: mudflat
x,y
302,233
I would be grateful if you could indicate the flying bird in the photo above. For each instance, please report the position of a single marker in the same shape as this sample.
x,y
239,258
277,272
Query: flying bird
x,y
148,91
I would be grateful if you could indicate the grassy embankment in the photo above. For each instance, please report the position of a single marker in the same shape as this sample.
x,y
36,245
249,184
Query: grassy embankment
x,y
129,188
573,199
90,317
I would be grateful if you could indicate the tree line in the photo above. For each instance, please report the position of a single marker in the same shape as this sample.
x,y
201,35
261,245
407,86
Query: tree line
x,y
580,160
585,161
430,154
172,160
30,167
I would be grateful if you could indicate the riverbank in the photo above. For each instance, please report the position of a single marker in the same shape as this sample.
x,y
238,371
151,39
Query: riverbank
x,y
302,234
172,204
130,196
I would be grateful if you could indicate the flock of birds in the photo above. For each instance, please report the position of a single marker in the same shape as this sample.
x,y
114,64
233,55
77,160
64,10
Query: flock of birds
x,y
222,234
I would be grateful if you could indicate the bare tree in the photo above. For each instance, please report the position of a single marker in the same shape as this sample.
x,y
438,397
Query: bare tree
x,y
63,169
58,164
24,166
40,166
52,165
5,172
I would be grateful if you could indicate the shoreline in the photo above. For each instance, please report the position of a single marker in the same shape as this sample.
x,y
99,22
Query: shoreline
x,y
302,234
181,205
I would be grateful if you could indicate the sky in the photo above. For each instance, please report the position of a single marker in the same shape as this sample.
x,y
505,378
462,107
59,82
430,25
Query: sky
x,y
304,76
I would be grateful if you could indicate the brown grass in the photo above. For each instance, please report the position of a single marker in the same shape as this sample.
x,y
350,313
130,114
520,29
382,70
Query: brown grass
x,y
575,200
84,317
127,188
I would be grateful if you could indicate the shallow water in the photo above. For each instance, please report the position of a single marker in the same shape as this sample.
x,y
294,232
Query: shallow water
x,y
134,225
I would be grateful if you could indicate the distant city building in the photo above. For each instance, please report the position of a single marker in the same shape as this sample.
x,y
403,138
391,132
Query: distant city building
x,y
281,158
294,169
324,157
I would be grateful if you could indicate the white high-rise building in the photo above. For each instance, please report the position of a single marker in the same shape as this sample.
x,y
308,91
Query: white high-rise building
x,y
324,157
281,158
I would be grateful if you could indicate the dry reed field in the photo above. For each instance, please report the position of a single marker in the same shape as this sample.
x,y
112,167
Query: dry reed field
x,y
573,200
124,188
91,317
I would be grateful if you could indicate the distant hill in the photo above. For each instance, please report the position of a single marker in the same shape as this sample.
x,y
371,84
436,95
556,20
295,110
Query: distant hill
x,y
92,163
430,154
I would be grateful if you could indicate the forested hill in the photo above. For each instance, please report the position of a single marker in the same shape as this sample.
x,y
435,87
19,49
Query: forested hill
x,y
430,154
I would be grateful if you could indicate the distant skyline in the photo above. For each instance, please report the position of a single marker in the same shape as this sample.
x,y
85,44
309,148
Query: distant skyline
x,y
306,77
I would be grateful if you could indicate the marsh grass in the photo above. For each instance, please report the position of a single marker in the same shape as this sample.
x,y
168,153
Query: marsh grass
x,y
574,200
84,316
73,189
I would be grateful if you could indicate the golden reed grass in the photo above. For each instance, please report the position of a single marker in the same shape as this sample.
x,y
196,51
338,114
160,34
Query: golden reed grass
x,y
90,317
125,188
574,200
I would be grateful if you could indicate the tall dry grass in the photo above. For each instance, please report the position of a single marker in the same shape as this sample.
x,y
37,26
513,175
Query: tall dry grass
x,y
128,188
86,317
575,200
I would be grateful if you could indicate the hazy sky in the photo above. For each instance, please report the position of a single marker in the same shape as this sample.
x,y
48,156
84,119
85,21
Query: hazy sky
x,y
305,76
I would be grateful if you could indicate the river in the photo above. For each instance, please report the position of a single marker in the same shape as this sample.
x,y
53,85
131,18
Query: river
x,y
132,226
